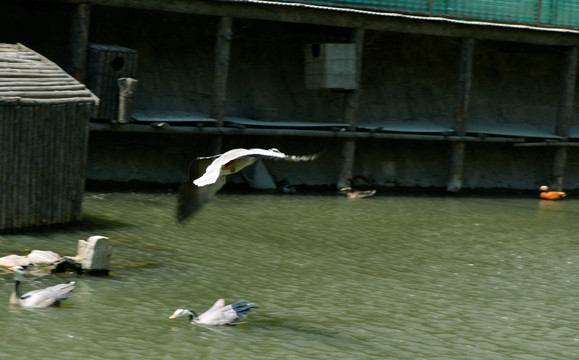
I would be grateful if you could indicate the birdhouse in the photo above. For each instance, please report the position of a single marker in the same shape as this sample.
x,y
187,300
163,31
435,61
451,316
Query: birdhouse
x,y
105,65
331,66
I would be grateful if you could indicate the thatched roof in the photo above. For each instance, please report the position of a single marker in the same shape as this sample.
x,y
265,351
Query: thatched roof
x,y
27,77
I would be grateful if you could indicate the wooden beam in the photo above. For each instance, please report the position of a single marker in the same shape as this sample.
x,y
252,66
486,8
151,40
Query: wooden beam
x,y
464,84
564,116
220,73
79,30
355,18
352,103
233,131
353,96
568,78
548,144
221,68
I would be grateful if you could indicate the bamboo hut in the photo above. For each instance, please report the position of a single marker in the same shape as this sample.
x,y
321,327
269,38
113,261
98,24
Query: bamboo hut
x,y
44,118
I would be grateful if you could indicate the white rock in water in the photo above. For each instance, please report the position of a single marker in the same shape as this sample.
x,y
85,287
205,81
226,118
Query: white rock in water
x,y
14,260
35,257
94,253
43,257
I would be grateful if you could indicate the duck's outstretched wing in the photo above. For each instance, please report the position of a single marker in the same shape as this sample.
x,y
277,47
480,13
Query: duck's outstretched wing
x,y
235,160
231,162
207,176
191,197
218,305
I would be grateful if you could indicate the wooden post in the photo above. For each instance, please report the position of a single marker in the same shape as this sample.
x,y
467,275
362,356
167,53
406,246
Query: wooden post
x,y
459,124
351,114
221,69
79,40
564,116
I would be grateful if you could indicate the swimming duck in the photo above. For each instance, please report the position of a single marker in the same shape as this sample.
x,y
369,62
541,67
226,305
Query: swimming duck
x,y
360,194
218,314
50,296
207,175
285,187
545,194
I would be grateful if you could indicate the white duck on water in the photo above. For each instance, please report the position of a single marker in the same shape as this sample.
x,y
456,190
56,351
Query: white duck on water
x,y
218,314
50,296
207,175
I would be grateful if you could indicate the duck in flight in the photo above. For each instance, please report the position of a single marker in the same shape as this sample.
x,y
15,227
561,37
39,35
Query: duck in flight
x,y
207,175
218,314
50,296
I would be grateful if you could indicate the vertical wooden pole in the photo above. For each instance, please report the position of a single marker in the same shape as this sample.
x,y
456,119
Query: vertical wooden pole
x,y
564,116
351,114
459,124
221,70
79,40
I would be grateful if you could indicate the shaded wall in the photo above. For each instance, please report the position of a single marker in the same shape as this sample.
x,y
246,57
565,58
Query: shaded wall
x,y
407,78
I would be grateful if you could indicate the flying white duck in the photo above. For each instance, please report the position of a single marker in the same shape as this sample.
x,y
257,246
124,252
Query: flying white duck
x,y
207,175
218,314
50,296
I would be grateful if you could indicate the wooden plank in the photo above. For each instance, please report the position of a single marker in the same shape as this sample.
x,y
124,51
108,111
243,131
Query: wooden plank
x,y
464,85
25,101
79,30
233,131
353,96
220,75
29,65
454,183
564,116
40,81
568,78
221,68
47,71
549,144
46,94
37,87
355,18
352,103
34,74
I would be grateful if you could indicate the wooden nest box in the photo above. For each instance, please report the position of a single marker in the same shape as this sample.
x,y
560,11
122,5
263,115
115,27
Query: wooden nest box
x,y
105,65
331,66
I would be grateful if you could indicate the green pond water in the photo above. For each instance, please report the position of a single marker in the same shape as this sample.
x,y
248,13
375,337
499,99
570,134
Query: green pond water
x,y
391,277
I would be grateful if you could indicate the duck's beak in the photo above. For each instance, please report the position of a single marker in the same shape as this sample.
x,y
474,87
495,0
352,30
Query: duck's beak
x,y
172,316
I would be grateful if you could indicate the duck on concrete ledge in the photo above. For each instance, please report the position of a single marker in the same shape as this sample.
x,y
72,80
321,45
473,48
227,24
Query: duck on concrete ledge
x,y
546,194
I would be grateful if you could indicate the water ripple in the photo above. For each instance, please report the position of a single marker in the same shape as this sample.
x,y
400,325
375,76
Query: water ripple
x,y
387,278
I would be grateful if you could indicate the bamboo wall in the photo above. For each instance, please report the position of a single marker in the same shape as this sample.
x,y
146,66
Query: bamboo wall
x,y
42,163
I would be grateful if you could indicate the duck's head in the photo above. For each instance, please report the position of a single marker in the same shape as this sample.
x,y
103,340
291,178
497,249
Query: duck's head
x,y
182,313
19,269
544,188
